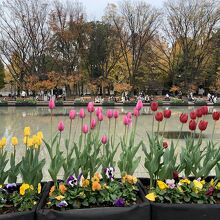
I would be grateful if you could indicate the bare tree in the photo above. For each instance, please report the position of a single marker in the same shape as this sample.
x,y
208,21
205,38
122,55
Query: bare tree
x,y
24,38
188,29
137,24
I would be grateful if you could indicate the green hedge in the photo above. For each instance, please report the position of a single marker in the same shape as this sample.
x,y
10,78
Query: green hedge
x,y
25,102
200,102
59,103
3,103
177,102
80,103
129,103
108,103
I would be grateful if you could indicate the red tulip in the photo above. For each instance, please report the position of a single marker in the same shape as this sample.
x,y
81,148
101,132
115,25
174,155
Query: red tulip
x,y
165,145
154,106
183,118
199,112
205,110
203,125
192,125
193,115
159,116
167,113
216,116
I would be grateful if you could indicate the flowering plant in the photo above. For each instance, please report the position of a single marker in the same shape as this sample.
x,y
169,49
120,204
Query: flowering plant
x,y
94,192
185,191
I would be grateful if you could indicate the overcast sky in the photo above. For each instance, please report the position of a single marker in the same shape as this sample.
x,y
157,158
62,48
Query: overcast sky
x,y
95,8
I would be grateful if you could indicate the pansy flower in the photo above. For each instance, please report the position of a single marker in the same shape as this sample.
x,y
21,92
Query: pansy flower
x,y
120,202
62,204
109,172
71,181
11,187
170,183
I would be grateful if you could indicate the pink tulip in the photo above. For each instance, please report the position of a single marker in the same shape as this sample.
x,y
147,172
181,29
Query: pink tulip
x,y
129,114
51,104
85,129
136,112
125,120
116,114
100,116
139,105
60,126
90,107
109,113
98,111
82,113
72,114
93,124
104,139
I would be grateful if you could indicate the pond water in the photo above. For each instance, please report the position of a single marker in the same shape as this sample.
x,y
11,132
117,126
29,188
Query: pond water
x,y
14,119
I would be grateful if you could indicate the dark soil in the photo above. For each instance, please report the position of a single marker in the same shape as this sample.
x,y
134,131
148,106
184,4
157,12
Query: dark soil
x,y
7,209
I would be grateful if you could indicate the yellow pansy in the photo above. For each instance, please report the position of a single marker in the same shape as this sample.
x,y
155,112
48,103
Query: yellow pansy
x,y
162,185
130,179
39,188
197,186
202,182
212,182
0,186
27,131
96,178
23,188
85,183
14,141
151,196
217,185
185,181
59,197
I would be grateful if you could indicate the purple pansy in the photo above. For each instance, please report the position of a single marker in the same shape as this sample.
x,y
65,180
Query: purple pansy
x,y
62,204
109,172
72,181
210,191
120,202
11,187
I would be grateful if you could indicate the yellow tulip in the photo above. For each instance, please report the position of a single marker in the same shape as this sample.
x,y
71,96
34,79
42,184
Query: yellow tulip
x,y
4,141
27,131
29,142
40,134
162,185
35,139
151,196
25,140
14,141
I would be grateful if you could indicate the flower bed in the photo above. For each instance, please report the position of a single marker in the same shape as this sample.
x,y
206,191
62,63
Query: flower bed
x,y
25,102
3,103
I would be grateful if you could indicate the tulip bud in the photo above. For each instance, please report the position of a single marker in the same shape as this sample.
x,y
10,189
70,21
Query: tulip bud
x,y
100,116
167,113
90,107
98,111
139,105
129,115
27,131
165,145
82,113
193,115
203,125
205,110
85,129
109,113
93,124
136,112
192,125
125,120
199,112
51,104
14,141
183,118
72,114
154,106
104,139
60,126
216,116
116,114
159,116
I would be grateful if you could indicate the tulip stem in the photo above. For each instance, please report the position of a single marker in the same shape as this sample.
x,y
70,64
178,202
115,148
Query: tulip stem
x,y
114,134
164,127
153,125
109,126
67,150
213,131
181,129
51,121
